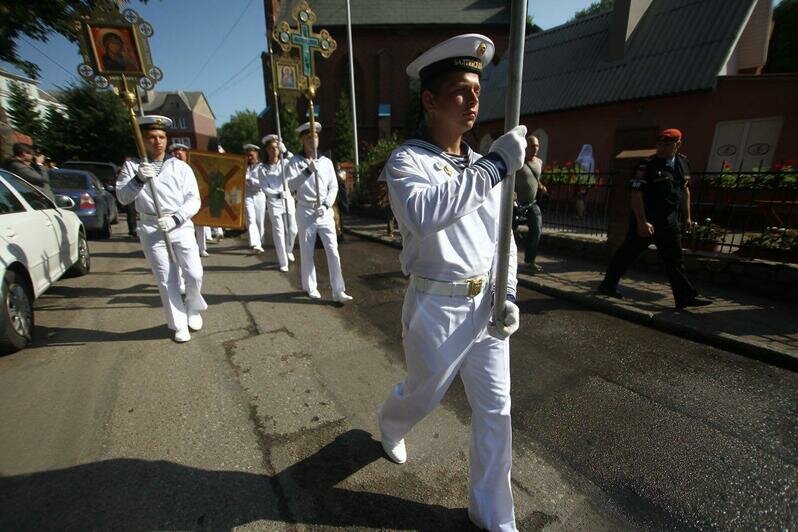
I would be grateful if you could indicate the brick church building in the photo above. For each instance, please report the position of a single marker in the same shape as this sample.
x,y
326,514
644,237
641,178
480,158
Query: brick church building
x,y
387,35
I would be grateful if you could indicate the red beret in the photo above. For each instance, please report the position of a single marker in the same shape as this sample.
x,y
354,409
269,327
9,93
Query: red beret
x,y
669,135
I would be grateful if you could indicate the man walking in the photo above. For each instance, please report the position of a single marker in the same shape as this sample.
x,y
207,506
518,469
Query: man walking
x,y
527,189
174,182
659,191
282,211
254,199
314,213
446,200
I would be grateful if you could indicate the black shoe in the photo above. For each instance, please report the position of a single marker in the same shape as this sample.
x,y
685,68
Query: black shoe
x,y
605,290
694,302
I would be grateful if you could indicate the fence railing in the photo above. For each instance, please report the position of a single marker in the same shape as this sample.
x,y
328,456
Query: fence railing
x,y
751,214
577,202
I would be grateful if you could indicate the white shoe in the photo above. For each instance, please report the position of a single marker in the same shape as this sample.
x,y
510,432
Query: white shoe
x,y
283,268
195,321
314,294
291,257
258,249
342,297
204,254
182,335
395,450
183,290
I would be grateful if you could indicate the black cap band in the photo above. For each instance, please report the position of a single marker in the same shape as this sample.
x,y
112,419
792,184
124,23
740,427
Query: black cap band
x,y
451,64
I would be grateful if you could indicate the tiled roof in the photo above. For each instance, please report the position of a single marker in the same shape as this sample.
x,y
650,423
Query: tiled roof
x,y
678,46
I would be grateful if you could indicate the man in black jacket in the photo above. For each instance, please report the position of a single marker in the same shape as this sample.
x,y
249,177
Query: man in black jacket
x,y
24,166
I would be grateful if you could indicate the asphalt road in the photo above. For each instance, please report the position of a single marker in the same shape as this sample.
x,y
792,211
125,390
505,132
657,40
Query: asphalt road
x,y
266,419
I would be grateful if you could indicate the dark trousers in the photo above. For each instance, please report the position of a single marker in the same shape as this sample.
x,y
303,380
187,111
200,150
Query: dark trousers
x,y
130,210
668,241
534,221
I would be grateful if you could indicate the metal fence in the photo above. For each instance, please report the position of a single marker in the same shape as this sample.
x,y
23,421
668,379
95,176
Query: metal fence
x,y
577,202
751,214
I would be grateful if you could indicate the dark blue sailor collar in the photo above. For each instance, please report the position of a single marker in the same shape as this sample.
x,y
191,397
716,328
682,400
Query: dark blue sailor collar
x,y
422,140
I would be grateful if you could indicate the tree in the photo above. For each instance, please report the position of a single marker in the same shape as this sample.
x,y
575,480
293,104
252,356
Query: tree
x,y
241,129
415,112
595,7
783,53
38,19
288,124
95,127
22,112
344,149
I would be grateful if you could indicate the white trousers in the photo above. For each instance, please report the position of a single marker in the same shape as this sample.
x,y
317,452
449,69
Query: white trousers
x,y
283,234
310,225
203,233
255,207
167,274
443,336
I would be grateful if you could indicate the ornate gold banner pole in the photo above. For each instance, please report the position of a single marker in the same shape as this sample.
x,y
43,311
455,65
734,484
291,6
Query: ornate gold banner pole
x,y
308,43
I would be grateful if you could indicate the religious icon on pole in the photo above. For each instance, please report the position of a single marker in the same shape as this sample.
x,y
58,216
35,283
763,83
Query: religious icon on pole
x,y
221,180
286,72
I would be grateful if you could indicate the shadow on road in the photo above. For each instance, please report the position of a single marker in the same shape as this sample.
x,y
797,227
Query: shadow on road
x,y
63,336
136,494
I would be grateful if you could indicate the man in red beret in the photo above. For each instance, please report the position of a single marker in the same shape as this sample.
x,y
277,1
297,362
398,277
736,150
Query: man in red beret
x,y
659,191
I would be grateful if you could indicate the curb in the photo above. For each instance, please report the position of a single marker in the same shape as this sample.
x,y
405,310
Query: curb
x,y
747,348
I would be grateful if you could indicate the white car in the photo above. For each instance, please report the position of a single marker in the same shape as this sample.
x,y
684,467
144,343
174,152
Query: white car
x,y
40,243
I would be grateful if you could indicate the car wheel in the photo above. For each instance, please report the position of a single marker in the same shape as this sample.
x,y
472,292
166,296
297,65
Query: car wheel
x,y
105,231
83,264
16,313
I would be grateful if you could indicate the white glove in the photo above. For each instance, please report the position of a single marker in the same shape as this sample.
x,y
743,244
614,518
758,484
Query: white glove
x,y
145,172
510,323
511,147
312,166
321,211
166,223
282,147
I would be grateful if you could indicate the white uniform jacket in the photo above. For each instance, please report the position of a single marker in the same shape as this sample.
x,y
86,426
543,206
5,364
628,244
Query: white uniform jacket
x,y
301,180
175,185
254,179
272,185
448,212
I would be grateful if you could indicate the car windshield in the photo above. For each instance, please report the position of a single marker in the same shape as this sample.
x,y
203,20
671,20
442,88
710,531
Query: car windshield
x,y
67,180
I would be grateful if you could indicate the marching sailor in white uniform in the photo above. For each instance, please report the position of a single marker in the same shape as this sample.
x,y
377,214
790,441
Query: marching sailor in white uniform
x,y
176,186
316,217
254,198
282,210
446,199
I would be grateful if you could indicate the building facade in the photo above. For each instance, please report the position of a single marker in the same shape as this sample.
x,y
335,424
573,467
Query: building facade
x,y
194,123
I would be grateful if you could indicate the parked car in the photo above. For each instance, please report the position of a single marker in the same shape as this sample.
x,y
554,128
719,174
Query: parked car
x,y
94,203
39,243
105,172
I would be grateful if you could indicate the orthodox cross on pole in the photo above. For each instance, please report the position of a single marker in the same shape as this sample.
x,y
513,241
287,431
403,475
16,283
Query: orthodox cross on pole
x,y
308,44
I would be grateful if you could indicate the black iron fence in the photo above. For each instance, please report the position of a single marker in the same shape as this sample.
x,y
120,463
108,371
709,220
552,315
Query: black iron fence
x,y
577,202
751,214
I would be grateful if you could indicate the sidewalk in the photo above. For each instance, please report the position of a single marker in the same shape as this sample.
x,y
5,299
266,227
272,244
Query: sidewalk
x,y
741,322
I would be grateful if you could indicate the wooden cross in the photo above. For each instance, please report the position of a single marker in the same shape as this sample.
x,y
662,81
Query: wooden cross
x,y
307,42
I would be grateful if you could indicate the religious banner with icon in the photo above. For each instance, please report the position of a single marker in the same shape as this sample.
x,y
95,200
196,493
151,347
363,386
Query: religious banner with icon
x,y
221,179
286,73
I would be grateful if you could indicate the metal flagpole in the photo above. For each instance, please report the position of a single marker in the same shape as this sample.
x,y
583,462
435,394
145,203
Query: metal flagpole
x,y
352,85
512,115
130,101
309,94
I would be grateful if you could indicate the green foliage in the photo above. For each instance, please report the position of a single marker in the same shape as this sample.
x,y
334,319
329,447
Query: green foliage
x,y
705,230
344,149
414,111
38,19
592,9
783,52
378,153
241,129
288,124
366,188
96,127
22,112
778,238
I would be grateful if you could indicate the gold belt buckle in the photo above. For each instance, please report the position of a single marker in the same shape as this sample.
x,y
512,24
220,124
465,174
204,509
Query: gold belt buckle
x,y
475,286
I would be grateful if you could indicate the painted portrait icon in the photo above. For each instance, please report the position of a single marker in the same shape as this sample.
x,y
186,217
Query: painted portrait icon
x,y
287,78
115,49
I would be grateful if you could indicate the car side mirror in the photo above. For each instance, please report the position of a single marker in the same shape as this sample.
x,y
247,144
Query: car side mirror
x,y
64,202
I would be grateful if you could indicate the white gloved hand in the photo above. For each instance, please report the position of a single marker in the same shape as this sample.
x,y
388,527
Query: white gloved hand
x,y
511,147
321,211
166,223
311,166
145,172
281,147
510,323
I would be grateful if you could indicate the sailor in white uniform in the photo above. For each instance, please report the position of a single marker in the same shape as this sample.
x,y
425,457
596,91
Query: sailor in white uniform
x,y
446,199
314,213
279,201
254,198
176,187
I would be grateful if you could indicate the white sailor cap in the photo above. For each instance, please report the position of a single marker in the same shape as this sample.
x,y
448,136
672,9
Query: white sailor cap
x,y
177,146
468,53
269,138
304,128
154,122
251,147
